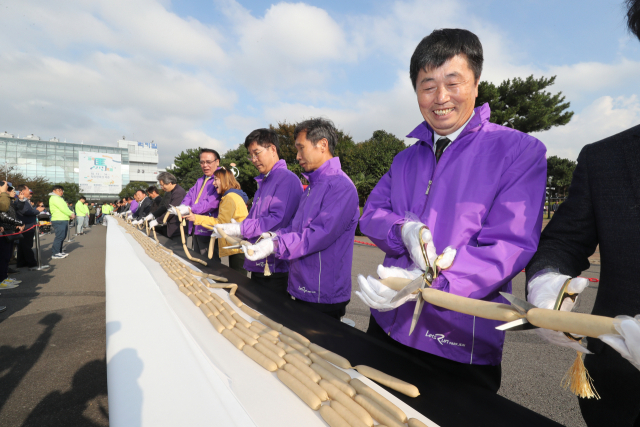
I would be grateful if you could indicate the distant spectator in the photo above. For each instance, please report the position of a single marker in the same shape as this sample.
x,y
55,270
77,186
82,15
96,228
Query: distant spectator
x,y
92,214
81,212
9,224
26,213
60,215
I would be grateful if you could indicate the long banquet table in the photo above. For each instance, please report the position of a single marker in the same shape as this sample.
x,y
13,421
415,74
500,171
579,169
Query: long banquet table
x,y
167,366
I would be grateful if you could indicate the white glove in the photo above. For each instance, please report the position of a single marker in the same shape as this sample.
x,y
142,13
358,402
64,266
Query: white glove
x,y
149,217
543,292
136,222
232,230
261,250
129,216
268,235
183,209
378,296
628,342
128,213
411,240
153,223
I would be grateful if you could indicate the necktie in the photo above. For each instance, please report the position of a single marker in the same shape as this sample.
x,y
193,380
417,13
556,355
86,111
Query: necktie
x,y
441,144
202,188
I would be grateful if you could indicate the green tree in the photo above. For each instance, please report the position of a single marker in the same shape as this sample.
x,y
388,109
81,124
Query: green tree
x,y
247,171
187,170
40,186
71,192
561,171
524,104
130,189
288,150
367,161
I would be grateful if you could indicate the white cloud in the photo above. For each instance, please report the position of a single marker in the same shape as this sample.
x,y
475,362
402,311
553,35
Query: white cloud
x,y
604,117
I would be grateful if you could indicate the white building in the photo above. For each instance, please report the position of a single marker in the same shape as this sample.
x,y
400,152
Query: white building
x,y
143,160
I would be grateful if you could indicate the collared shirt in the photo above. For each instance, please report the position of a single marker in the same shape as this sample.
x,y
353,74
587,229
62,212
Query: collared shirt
x,y
452,137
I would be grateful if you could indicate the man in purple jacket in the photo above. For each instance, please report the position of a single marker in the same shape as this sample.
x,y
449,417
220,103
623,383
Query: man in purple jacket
x,y
274,205
479,188
318,244
203,199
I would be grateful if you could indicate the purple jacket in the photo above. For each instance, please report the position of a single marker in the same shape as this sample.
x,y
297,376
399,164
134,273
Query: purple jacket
x,y
134,206
207,204
319,242
485,199
274,205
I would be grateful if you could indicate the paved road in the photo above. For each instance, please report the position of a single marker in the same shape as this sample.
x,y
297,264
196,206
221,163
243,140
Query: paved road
x,y
52,344
52,340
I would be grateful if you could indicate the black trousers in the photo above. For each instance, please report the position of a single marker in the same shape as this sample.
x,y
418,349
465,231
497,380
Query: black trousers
x,y
485,376
92,219
6,247
26,257
618,383
336,310
277,282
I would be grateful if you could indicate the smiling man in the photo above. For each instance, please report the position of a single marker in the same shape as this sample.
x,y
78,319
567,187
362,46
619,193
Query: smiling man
x,y
468,184
318,244
274,204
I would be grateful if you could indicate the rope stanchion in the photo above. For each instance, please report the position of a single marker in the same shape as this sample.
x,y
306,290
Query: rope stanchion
x,y
365,243
38,254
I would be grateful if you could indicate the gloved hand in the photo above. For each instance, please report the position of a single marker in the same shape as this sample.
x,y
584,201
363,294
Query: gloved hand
x,y
128,213
129,216
261,250
268,235
153,223
543,292
183,209
411,240
628,342
232,230
378,296
136,222
149,217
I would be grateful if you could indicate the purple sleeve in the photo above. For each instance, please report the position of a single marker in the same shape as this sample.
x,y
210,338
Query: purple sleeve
x,y
510,234
379,222
206,203
337,210
282,206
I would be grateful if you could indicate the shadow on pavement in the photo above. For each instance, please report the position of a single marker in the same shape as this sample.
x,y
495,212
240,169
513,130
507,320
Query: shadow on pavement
x,y
68,409
15,363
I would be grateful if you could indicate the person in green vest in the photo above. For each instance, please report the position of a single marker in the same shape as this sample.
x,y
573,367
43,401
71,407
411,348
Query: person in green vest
x,y
81,212
60,215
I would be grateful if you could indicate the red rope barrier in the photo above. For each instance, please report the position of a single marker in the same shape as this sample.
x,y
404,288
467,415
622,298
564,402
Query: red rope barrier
x,y
365,243
22,232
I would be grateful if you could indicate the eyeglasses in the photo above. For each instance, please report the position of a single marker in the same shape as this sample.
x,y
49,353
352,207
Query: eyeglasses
x,y
207,162
250,157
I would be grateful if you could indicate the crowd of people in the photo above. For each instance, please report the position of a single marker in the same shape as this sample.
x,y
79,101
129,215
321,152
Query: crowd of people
x,y
463,203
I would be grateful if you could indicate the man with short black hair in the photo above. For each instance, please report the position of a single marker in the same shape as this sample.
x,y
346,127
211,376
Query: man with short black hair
x,y
156,199
274,205
469,190
144,207
173,196
60,216
203,199
318,244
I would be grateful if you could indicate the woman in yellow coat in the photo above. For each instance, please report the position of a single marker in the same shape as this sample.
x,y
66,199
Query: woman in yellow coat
x,y
233,205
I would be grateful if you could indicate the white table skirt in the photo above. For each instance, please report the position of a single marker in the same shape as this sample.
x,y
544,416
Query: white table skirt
x,y
167,366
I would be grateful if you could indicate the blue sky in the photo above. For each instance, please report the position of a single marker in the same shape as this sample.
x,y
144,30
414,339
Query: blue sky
x,y
206,73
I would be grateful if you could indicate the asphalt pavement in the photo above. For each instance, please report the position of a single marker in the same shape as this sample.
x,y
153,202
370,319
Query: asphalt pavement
x,y
52,343
52,340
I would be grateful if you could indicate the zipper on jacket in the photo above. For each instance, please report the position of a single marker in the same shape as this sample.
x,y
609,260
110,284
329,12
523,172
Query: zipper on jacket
x,y
319,274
